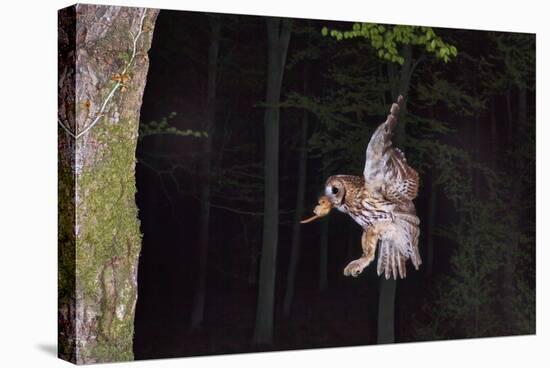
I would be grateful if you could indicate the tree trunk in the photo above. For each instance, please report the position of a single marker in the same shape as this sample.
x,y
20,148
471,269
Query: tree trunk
x,y
386,299
386,311
66,249
296,226
278,32
102,73
204,230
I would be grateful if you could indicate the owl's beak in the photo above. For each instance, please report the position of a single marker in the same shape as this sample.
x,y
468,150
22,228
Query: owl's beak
x,y
321,210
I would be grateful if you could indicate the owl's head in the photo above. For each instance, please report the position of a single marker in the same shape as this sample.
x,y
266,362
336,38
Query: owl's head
x,y
335,190
335,193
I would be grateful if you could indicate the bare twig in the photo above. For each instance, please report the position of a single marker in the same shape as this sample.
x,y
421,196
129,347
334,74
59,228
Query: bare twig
x,y
66,129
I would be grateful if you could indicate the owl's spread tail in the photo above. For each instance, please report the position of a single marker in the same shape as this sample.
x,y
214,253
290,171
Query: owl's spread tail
x,y
402,244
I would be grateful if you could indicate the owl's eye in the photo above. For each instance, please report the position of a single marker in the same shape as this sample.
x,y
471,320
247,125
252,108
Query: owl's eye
x,y
334,190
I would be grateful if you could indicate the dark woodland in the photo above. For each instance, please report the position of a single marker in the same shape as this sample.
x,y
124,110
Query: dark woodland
x,y
243,119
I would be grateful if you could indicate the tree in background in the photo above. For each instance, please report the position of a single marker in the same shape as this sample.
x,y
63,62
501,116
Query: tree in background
x,y
300,62
278,34
300,195
198,307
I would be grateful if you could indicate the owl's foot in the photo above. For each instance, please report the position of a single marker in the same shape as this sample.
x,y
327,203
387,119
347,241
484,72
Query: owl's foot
x,y
354,268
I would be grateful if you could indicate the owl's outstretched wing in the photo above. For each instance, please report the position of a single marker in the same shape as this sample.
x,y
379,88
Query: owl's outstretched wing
x,y
386,169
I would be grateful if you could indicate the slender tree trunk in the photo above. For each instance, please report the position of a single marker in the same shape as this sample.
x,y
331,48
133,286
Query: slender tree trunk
x,y
296,226
98,118
386,311
66,249
278,34
197,315
386,299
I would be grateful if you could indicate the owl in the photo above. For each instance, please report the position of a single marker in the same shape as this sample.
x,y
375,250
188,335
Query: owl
x,y
381,202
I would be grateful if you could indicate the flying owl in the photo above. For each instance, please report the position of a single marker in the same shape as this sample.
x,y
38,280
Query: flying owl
x,y
381,202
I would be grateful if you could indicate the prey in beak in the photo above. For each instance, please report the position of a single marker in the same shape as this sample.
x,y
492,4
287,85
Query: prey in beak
x,y
321,210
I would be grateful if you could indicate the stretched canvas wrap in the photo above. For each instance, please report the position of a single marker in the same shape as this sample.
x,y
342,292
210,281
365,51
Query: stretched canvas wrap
x,y
233,183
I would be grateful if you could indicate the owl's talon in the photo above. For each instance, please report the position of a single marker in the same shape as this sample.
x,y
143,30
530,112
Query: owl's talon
x,y
354,268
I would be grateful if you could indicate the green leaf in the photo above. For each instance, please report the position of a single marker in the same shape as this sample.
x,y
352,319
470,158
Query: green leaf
x,y
453,51
324,31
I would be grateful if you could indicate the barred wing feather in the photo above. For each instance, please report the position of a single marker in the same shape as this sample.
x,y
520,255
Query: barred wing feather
x,y
386,169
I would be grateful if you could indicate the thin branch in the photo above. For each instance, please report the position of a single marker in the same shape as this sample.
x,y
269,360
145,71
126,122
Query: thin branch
x,y
236,210
66,129
244,212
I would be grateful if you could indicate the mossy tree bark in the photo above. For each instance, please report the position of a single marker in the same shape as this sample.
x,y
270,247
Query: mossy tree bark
x,y
66,189
102,75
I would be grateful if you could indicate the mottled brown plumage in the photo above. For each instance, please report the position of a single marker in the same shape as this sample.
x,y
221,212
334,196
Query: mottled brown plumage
x,y
381,202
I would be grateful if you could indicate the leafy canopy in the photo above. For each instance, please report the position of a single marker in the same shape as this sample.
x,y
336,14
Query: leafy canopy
x,y
387,38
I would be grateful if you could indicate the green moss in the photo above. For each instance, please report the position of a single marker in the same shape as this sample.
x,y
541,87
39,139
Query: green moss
x,y
109,240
